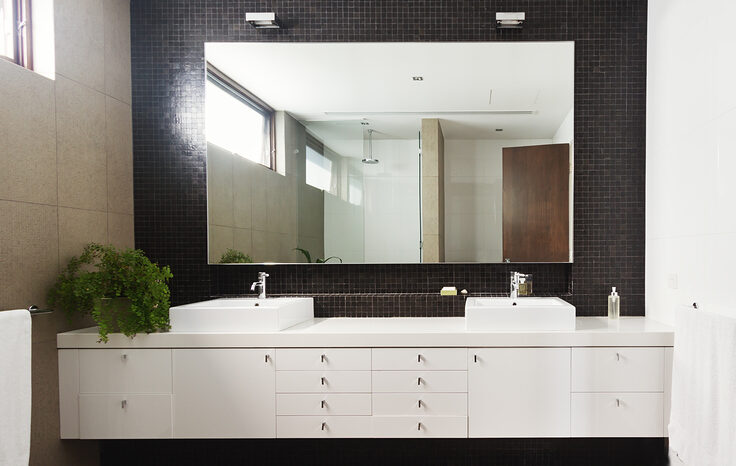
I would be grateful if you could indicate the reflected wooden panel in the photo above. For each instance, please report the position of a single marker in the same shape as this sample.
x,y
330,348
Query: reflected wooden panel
x,y
536,203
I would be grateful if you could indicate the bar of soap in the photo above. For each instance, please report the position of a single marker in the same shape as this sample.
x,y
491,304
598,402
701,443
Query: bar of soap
x,y
448,291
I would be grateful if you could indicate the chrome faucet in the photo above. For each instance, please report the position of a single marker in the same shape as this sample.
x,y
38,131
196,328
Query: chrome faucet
x,y
516,279
261,284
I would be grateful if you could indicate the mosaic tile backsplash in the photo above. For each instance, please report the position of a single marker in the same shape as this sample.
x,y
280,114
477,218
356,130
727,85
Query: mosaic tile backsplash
x,y
167,43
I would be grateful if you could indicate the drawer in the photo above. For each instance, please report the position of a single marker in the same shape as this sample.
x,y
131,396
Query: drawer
x,y
341,359
323,426
617,415
323,381
617,369
335,404
125,371
417,404
417,359
124,416
420,381
420,426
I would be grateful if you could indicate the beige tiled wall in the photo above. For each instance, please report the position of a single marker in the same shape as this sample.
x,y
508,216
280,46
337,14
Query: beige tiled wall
x,y
261,212
433,191
66,178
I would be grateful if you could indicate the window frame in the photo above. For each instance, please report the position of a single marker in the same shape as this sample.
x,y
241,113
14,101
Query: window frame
x,y
232,87
22,39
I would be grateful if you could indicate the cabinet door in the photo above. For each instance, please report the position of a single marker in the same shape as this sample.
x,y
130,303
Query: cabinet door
x,y
519,392
224,393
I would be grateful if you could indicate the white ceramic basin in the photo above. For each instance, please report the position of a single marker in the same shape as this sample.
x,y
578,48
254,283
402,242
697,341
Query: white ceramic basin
x,y
241,315
505,314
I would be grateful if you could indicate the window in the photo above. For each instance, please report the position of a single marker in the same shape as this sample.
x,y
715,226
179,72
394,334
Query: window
x,y
318,167
15,32
238,121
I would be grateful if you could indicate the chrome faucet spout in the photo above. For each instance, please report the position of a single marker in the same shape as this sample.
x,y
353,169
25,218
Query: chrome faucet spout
x,y
261,284
516,279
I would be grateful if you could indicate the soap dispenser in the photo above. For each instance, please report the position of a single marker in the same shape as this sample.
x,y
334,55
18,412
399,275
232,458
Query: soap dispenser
x,y
614,304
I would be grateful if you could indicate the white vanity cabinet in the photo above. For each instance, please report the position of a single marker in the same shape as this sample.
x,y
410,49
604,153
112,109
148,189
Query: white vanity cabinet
x,y
519,392
555,387
224,393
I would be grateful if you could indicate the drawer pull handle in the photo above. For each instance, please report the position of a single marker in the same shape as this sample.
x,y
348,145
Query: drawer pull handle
x,y
124,404
266,359
618,356
419,404
618,402
419,380
323,380
419,426
322,358
323,403
419,358
124,357
475,358
324,425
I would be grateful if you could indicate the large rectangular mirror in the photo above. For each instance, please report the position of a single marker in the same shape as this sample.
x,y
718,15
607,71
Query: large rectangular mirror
x,y
389,152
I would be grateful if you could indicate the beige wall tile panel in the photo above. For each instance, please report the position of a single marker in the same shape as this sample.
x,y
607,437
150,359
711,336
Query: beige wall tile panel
x,y
80,138
77,228
79,32
120,230
27,135
116,15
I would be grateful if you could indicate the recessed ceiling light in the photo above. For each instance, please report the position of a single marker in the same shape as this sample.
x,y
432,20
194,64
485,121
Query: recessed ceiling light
x,y
499,129
417,78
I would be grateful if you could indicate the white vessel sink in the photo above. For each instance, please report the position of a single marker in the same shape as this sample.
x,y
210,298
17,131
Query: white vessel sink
x,y
241,315
506,314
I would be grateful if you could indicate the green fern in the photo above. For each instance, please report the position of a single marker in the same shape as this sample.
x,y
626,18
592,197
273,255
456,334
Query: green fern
x,y
121,290
233,256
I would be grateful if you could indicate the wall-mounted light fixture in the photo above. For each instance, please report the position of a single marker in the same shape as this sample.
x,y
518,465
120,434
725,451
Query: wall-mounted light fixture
x,y
263,20
510,20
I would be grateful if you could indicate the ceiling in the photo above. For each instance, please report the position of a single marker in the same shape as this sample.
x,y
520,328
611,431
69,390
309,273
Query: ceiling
x,y
524,88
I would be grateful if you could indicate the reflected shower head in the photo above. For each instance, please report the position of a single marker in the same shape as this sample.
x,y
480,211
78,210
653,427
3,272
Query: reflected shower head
x,y
370,160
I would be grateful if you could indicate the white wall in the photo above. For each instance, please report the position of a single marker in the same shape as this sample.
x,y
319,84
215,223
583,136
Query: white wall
x,y
473,198
691,156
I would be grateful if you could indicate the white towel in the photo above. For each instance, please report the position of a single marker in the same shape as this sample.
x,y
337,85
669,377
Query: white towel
x,y
702,425
15,387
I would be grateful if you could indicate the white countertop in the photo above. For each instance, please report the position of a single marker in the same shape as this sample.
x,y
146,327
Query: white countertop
x,y
391,332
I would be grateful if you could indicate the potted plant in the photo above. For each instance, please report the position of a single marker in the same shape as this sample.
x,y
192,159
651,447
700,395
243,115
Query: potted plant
x,y
233,256
121,289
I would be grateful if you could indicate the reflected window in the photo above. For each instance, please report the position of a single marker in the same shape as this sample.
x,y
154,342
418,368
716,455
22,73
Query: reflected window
x,y
237,121
319,170
318,166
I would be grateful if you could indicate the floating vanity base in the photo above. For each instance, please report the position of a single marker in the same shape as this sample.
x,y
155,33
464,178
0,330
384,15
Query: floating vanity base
x,y
577,390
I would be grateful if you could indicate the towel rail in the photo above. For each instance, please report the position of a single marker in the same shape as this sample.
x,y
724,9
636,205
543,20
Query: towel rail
x,y
34,310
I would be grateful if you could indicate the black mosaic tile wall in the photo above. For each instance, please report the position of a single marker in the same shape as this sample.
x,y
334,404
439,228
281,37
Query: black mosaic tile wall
x,y
610,77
